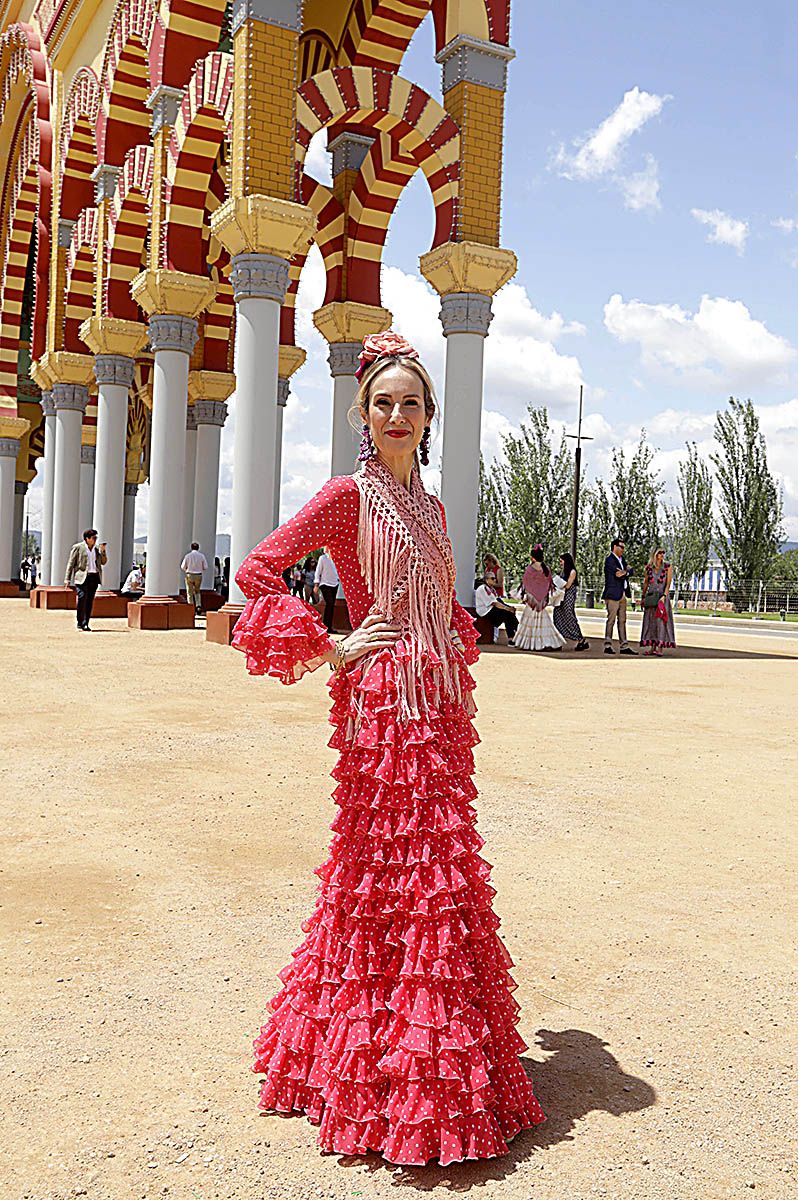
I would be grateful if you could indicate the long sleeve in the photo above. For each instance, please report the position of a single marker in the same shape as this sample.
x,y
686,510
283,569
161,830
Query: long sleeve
x,y
280,634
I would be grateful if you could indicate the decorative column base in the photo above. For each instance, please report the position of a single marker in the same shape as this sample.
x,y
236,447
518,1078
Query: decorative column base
x,y
11,589
54,598
159,612
219,626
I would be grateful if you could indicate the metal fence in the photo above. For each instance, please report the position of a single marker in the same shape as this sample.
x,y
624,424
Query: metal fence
x,y
755,596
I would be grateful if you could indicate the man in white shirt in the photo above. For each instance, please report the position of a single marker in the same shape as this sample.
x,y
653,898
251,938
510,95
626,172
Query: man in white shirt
x,y
84,572
490,605
327,581
134,584
193,566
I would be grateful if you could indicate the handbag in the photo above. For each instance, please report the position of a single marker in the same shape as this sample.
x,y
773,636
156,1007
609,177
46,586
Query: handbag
x,y
651,598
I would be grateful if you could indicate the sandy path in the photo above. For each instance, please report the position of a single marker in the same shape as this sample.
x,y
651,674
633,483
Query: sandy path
x,y
161,817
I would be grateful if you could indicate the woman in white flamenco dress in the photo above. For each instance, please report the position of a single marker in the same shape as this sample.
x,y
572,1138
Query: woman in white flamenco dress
x,y
536,629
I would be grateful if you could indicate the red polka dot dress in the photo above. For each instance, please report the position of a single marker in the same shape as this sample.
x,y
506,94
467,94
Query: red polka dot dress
x,y
395,1028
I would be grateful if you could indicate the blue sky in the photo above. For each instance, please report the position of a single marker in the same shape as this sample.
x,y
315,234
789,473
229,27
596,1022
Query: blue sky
x,y
649,150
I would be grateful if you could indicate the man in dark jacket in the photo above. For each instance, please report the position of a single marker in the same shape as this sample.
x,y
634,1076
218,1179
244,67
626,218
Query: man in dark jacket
x,y
616,590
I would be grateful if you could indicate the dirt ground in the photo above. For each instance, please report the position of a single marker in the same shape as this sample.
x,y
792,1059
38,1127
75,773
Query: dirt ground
x,y
161,817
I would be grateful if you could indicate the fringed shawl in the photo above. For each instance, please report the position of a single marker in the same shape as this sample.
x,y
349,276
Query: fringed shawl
x,y
407,563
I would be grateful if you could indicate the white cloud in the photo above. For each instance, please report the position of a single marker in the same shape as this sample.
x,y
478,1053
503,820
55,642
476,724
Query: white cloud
x,y
317,160
719,344
785,224
724,230
601,153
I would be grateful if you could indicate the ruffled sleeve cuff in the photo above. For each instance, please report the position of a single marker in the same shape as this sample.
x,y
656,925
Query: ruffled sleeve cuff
x,y
281,636
463,623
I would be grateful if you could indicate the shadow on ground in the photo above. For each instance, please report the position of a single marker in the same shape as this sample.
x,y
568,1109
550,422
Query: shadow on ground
x,y
580,1076
597,651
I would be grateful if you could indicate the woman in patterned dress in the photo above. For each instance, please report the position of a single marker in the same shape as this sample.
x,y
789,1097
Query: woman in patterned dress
x,y
394,1029
658,632
565,612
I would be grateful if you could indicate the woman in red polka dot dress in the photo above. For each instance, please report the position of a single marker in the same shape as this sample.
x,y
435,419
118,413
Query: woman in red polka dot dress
x,y
395,1029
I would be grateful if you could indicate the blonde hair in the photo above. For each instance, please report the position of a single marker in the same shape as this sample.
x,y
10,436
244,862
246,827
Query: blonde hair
x,y
652,562
358,413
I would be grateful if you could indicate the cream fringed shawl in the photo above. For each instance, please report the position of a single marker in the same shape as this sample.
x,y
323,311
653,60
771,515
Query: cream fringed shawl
x,y
407,563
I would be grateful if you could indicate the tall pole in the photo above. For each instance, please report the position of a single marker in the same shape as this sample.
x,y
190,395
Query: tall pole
x,y
577,475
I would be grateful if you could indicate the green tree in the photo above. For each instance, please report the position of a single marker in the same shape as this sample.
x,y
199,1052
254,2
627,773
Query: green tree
x,y
491,514
537,483
635,490
596,526
748,531
689,524
787,567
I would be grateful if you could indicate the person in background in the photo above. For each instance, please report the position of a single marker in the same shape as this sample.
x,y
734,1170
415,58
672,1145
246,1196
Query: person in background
x,y
24,572
297,581
226,577
309,575
133,587
193,566
35,564
326,581
565,618
492,565
658,633
536,630
84,572
490,605
217,574
616,590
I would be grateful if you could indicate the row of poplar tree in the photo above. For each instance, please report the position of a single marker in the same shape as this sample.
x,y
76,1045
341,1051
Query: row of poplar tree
x,y
729,508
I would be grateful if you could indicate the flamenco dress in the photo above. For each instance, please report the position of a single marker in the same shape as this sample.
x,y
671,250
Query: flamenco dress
x,y
395,1027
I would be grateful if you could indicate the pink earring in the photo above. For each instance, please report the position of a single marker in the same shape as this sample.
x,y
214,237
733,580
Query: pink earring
x,y
423,449
367,448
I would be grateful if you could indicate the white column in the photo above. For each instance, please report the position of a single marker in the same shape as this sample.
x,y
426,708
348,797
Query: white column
x,y
189,480
86,493
48,408
259,286
9,449
20,491
465,317
344,362
114,375
283,390
211,416
172,339
70,401
128,528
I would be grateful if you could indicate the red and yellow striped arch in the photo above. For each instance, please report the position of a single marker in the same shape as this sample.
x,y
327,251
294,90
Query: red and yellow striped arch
x,y
371,100
385,173
80,272
125,81
127,232
202,124
331,240
79,144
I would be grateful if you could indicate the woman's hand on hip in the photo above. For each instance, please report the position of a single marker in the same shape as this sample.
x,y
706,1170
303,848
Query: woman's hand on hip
x,y
376,633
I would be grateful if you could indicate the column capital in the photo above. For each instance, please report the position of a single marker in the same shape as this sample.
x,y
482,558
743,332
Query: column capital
x,y
191,419
170,331
344,358
9,447
114,368
290,359
13,427
131,489
63,366
64,233
283,388
172,292
468,267
112,336
20,487
285,13
48,408
88,455
263,225
210,412
70,397
348,321
467,59
349,151
466,312
259,276
210,385
164,104
104,178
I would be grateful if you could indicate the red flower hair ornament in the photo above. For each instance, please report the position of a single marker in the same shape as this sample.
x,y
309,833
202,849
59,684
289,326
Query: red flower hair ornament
x,y
383,345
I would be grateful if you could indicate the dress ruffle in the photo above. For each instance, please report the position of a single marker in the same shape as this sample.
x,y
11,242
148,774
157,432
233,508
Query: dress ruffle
x,y
395,1027
465,625
281,636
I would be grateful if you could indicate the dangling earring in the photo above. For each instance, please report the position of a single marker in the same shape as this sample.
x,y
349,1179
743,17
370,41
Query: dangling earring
x,y
367,447
423,448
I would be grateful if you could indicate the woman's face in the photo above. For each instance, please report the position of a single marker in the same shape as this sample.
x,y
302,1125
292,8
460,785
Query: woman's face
x,y
396,412
562,565
658,559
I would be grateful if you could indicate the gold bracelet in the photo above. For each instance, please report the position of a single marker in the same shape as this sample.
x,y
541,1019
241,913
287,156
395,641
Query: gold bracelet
x,y
340,658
